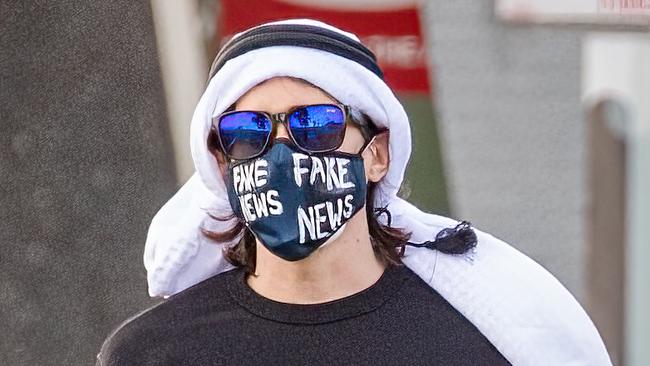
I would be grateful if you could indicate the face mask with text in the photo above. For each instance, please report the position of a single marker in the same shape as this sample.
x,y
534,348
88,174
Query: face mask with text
x,y
294,202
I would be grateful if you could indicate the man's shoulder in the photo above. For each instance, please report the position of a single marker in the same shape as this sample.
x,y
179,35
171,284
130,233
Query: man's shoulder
x,y
129,339
148,330
211,294
514,301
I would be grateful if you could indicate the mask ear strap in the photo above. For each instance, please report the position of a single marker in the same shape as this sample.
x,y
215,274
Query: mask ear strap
x,y
369,142
365,146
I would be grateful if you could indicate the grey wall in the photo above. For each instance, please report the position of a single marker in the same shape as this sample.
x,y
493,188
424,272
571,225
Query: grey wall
x,y
512,131
84,164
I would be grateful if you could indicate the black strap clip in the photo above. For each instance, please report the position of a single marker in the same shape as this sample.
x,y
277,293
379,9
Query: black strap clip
x,y
457,240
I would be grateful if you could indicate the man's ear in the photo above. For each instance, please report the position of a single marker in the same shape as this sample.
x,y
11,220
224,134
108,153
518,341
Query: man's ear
x,y
376,157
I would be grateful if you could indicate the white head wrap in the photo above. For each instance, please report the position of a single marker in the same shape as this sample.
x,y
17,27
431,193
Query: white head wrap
x,y
520,307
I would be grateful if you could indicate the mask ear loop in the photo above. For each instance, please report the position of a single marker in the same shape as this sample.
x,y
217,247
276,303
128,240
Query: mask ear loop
x,y
365,146
369,142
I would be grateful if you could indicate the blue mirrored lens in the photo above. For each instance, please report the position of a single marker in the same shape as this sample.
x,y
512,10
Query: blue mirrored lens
x,y
318,127
244,134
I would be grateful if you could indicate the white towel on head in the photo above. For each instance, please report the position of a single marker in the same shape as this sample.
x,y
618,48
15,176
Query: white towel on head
x,y
520,307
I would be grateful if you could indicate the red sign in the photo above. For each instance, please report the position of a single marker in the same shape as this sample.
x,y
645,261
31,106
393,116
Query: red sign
x,y
394,35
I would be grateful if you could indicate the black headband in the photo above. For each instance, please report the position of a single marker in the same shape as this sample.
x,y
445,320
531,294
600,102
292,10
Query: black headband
x,y
297,35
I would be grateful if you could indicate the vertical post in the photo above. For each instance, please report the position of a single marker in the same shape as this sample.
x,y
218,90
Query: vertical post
x,y
637,322
615,68
606,220
184,70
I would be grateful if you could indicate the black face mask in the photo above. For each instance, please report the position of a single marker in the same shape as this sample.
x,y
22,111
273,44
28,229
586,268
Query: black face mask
x,y
293,202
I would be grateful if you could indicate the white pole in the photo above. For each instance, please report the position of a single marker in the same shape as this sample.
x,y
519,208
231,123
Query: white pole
x,y
184,70
617,67
637,322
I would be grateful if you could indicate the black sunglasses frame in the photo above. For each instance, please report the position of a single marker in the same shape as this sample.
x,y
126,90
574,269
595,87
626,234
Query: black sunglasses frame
x,y
282,118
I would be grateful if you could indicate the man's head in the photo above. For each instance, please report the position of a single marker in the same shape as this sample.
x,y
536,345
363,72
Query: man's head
x,y
279,95
333,61
275,66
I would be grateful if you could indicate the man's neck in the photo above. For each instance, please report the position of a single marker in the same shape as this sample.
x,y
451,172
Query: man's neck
x,y
341,268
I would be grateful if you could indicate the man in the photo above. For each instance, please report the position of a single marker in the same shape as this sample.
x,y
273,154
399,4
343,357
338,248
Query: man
x,y
331,266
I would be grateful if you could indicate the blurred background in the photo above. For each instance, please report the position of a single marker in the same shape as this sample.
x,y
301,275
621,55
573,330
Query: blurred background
x,y
531,119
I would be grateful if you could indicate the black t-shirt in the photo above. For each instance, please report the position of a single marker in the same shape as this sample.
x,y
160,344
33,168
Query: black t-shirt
x,y
399,320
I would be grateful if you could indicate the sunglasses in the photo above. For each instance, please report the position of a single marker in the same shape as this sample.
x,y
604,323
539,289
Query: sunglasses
x,y
313,128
